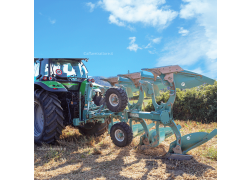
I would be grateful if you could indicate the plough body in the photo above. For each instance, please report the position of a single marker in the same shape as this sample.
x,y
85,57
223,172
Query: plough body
x,y
170,77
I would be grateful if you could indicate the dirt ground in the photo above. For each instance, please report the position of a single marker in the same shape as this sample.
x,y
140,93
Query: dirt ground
x,y
80,157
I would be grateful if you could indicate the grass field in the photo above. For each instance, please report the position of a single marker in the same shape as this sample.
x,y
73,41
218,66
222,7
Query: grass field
x,y
78,157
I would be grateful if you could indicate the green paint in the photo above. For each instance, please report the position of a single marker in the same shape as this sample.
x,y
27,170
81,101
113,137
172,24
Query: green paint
x,y
71,86
96,87
52,84
68,84
83,86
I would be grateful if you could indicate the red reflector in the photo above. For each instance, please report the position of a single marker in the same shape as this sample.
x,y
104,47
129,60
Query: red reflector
x,y
54,88
50,78
88,80
44,78
92,80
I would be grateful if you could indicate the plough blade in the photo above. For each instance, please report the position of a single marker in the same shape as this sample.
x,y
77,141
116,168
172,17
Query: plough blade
x,y
138,129
164,134
187,79
193,140
183,79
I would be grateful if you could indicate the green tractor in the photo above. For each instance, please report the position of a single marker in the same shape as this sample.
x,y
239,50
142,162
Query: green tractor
x,y
61,88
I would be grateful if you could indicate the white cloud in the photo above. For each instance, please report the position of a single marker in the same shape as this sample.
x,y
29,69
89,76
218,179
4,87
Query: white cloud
x,y
91,5
183,32
148,12
152,52
113,19
188,50
148,46
200,46
197,70
205,11
194,7
157,40
131,28
185,50
132,46
52,21
153,41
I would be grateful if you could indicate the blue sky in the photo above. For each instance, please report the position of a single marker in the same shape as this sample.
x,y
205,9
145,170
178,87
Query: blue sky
x,y
118,36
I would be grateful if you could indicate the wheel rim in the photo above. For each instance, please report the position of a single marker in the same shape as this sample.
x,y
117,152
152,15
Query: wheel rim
x,y
38,119
113,99
119,135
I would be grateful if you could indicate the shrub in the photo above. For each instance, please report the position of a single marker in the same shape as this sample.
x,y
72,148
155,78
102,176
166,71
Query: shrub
x,y
199,103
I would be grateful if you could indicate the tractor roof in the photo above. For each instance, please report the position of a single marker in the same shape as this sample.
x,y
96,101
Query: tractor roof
x,y
74,59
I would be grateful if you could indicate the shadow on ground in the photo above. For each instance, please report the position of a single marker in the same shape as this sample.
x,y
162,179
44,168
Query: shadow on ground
x,y
80,158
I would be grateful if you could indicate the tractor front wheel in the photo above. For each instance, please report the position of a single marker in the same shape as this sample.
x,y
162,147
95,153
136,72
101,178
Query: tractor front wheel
x,y
48,120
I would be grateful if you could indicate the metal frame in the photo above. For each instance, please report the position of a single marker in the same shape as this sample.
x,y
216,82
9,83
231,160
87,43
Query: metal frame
x,y
169,76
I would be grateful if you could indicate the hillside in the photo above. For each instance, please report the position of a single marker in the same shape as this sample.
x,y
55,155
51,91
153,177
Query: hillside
x,y
99,81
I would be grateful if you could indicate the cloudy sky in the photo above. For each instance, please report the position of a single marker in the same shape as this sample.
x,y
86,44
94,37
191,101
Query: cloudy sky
x,y
118,36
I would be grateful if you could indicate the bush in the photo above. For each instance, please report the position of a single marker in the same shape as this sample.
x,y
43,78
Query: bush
x,y
199,103
136,96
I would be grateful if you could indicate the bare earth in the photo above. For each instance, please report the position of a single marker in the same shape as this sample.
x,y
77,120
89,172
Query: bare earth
x,y
78,157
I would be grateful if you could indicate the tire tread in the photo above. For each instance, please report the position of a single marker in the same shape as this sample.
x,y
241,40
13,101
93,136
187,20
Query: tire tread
x,y
53,116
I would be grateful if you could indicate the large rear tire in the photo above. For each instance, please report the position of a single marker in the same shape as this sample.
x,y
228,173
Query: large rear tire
x,y
48,120
94,129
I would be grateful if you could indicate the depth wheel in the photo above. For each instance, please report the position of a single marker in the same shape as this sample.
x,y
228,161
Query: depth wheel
x,y
116,99
121,134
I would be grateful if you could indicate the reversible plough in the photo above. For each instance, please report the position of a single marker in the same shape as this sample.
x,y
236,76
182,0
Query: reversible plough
x,y
170,77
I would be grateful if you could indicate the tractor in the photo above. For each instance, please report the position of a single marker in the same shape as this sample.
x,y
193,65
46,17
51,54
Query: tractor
x,y
60,86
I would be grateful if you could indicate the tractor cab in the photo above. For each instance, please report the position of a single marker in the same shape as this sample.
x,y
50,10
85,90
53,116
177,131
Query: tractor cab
x,y
61,68
70,72
68,69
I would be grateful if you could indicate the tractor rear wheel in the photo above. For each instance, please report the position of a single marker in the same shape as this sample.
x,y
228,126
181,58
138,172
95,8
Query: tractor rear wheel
x,y
94,129
48,120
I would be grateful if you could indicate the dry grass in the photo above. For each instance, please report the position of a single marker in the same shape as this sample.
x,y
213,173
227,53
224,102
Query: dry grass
x,y
80,157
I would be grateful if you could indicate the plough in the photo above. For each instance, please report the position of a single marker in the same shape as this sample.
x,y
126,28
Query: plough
x,y
170,77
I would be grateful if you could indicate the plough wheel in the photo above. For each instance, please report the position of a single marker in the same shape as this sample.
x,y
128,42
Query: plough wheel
x,y
121,134
116,99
